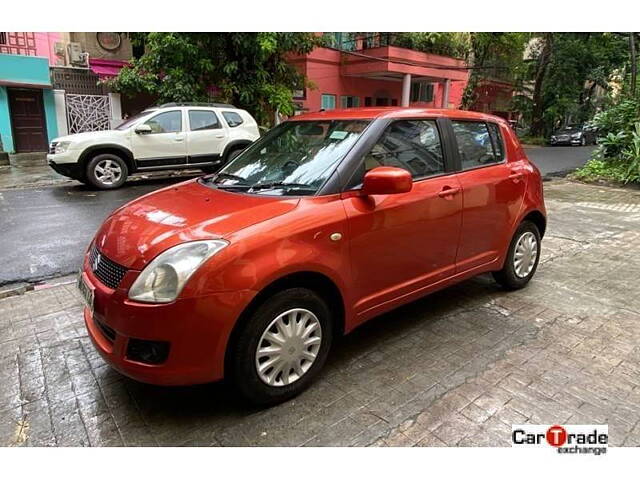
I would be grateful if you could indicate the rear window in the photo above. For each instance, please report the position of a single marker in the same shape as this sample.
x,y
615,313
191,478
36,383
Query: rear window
x,y
475,144
233,119
203,120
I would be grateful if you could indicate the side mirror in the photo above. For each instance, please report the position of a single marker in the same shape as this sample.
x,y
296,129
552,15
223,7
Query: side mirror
x,y
386,181
143,129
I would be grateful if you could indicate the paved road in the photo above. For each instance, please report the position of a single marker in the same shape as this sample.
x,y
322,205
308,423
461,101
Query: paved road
x,y
559,159
45,230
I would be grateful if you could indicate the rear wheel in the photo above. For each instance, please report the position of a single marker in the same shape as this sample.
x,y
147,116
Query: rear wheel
x,y
107,171
522,258
282,347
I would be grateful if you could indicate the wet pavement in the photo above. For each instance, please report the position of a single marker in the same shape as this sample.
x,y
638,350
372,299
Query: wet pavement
x,y
45,230
47,225
456,368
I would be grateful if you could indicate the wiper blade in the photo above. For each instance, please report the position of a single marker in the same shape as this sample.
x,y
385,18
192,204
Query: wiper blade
x,y
287,185
230,176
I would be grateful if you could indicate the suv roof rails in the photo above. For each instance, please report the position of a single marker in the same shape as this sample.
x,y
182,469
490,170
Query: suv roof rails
x,y
195,104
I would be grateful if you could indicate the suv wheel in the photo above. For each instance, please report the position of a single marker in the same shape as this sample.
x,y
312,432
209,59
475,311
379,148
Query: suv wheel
x,y
282,347
522,258
107,171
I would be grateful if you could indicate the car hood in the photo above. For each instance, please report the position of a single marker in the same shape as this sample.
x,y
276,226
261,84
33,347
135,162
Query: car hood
x,y
80,137
136,233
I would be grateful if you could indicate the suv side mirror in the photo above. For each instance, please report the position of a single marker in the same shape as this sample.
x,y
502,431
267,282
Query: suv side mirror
x,y
143,129
386,181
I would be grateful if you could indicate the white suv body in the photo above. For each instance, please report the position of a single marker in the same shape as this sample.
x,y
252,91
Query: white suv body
x,y
170,136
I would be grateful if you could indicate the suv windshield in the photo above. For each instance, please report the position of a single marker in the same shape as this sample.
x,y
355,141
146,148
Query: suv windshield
x,y
295,158
131,120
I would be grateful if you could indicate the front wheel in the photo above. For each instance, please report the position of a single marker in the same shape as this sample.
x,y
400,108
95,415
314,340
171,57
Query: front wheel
x,y
282,347
107,171
522,258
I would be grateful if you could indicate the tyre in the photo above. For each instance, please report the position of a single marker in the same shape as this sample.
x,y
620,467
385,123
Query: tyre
x,y
522,258
282,346
233,154
107,171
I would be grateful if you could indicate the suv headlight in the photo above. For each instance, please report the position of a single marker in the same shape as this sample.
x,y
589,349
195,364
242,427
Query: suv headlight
x,y
164,278
62,147
576,135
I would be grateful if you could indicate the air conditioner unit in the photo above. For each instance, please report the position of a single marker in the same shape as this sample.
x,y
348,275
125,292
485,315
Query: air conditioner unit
x,y
77,56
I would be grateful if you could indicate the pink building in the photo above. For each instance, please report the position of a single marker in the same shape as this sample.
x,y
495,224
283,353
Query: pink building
x,y
35,44
371,72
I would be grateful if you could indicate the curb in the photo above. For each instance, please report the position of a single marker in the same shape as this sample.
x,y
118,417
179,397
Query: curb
x,y
20,288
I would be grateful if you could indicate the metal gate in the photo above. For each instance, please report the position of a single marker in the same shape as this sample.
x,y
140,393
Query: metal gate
x,y
88,113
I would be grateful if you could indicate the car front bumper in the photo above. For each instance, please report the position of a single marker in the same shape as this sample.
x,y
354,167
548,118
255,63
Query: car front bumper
x,y
194,332
65,164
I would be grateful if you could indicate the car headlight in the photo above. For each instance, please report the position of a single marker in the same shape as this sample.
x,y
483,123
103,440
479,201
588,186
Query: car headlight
x,y
164,278
576,135
62,147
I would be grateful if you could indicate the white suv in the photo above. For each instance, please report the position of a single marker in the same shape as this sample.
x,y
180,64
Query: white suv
x,y
171,136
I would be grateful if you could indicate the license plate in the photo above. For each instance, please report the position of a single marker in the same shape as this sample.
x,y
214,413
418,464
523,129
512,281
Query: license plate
x,y
86,291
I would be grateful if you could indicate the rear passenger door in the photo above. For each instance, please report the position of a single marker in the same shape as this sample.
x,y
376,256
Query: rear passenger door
x,y
206,136
492,190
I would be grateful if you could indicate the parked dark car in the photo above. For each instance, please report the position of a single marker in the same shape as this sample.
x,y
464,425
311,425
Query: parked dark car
x,y
574,135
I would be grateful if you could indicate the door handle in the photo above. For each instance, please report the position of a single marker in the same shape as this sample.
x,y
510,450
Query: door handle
x,y
448,191
219,136
516,175
178,139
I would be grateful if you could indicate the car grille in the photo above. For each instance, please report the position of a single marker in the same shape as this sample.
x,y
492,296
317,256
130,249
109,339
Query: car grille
x,y
52,147
107,271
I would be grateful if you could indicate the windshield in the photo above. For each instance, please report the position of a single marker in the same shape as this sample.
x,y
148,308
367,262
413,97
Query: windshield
x,y
295,158
131,120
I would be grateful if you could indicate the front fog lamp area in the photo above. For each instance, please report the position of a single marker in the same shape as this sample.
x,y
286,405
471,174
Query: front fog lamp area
x,y
164,278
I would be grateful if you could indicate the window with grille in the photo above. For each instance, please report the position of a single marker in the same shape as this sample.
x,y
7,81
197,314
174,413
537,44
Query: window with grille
x,y
3,38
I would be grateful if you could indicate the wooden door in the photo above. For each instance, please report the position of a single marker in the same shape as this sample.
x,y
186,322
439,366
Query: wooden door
x,y
27,119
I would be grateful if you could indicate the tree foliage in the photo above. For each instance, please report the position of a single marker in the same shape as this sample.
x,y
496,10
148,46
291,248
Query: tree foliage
x,y
568,70
246,69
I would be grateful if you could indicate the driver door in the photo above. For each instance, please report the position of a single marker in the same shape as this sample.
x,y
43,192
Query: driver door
x,y
402,243
164,145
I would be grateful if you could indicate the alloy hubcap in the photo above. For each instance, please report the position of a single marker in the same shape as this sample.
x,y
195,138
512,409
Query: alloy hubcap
x,y
108,172
288,347
525,255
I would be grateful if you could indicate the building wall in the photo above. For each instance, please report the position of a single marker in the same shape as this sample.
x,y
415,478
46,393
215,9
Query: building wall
x,y
89,42
323,69
5,122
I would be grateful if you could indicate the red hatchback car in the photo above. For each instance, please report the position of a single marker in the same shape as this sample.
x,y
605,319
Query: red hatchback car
x,y
328,220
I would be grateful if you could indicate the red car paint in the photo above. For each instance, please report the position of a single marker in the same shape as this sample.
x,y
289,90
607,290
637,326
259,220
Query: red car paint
x,y
458,224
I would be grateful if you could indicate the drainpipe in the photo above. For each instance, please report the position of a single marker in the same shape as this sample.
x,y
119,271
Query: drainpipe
x,y
445,93
406,89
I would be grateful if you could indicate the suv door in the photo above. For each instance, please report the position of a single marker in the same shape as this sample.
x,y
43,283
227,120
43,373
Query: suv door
x,y
404,242
493,188
164,145
206,136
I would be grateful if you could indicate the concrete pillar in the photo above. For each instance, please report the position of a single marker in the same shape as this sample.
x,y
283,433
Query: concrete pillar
x,y
406,90
116,109
445,93
61,112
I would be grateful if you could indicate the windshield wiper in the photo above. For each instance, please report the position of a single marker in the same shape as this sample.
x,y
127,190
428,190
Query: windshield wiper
x,y
284,185
229,176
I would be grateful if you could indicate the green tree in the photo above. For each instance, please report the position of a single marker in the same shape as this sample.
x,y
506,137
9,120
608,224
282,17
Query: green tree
x,y
247,69
568,69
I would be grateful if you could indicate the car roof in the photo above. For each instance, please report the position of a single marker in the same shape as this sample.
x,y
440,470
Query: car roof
x,y
370,113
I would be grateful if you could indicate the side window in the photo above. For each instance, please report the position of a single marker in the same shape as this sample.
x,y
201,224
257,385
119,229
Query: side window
x,y
328,102
413,145
202,120
496,138
475,146
233,119
166,122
